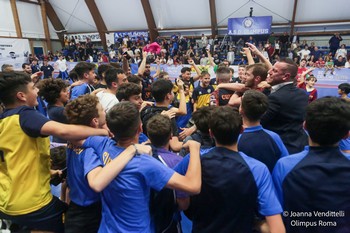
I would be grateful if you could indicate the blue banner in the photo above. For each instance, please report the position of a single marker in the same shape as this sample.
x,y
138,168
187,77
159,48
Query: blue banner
x,y
249,26
131,34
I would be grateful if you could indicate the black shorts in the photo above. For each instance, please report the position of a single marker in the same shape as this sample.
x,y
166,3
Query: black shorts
x,y
48,218
83,218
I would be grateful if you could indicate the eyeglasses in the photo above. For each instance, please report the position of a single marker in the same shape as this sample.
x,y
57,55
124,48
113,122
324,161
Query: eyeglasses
x,y
147,67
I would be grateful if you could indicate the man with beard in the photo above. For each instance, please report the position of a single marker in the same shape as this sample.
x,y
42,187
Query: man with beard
x,y
144,72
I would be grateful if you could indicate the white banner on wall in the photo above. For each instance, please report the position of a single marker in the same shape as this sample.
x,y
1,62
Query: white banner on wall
x,y
14,52
82,37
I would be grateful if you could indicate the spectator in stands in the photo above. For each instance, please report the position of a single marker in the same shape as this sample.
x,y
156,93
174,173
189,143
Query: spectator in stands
x,y
320,174
334,43
341,52
320,63
347,64
231,56
304,53
329,65
61,65
47,69
339,62
35,66
284,97
316,54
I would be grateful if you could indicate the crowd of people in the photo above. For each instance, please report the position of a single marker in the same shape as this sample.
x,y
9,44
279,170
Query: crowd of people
x,y
254,153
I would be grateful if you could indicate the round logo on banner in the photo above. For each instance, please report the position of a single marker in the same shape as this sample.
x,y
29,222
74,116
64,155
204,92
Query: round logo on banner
x,y
248,22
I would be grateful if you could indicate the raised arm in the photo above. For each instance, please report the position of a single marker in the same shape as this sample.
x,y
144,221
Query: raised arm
x,y
261,57
191,62
211,60
182,110
143,63
125,64
250,59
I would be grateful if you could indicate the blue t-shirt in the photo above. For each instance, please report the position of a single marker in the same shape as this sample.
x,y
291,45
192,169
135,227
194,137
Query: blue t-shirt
x,y
125,201
345,144
233,186
263,145
81,90
79,163
316,180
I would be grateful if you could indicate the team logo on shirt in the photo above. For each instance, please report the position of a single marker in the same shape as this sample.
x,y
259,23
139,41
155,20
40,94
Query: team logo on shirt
x,y
106,158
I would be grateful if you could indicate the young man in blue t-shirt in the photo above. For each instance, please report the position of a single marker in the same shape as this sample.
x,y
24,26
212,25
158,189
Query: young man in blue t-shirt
x,y
313,186
125,201
255,141
84,167
86,74
234,185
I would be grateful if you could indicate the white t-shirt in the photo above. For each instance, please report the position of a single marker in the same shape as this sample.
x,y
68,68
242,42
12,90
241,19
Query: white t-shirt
x,y
107,100
62,66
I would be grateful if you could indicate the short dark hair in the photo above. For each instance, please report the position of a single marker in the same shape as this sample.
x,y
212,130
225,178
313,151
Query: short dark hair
x,y
160,89
159,130
58,157
6,67
308,78
82,110
254,104
123,120
327,120
10,84
134,79
223,74
111,76
201,118
83,67
162,74
258,70
291,67
225,124
51,89
102,69
185,69
344,87
24,65
126,90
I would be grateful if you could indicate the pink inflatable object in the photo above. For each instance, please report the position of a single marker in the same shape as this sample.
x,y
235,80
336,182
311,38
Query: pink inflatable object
x,y
153,48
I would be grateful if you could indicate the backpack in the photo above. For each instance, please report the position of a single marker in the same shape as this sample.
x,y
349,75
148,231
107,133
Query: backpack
x,y
163,207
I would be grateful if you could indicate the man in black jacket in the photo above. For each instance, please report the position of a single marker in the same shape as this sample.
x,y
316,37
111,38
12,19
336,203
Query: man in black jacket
x,y
287,105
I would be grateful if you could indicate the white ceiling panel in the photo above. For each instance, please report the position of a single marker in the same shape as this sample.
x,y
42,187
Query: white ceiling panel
x,y
7,24
74,15
316,10
30,19
181,13
53,34
281,11
122,15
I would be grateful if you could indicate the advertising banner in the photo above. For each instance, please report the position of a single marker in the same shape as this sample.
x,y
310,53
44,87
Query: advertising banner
x,y
14,52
